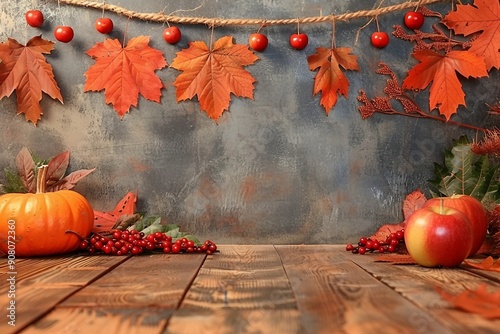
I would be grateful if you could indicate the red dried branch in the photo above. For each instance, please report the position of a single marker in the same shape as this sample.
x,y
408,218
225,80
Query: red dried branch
x,y
490,144
439,41
394,91
494,109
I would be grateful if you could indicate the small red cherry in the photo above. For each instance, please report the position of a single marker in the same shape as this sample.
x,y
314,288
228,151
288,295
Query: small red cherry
x,y
34,18
299,41
258,42
104,25
414,20
64,34
172,34
380,39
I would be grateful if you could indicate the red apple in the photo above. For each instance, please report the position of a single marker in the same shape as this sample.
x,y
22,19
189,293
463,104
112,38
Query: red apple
x,y
473,209
438,236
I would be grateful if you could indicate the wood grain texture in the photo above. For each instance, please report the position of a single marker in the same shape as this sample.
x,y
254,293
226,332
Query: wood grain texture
x,y
292,289
333,292
156,280
40,289
102,320
244,289
489,274
418,284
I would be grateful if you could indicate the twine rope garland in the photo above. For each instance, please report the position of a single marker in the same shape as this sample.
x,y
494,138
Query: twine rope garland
x,y
161,17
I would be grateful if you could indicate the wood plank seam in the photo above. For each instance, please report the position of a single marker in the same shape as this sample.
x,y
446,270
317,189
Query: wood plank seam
x,y
47,311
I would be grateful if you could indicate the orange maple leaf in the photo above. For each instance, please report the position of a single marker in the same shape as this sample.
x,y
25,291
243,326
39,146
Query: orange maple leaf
x,y
25,70
487,264
104,221
479,301
330,79
214,74
125,72
483,17
446,91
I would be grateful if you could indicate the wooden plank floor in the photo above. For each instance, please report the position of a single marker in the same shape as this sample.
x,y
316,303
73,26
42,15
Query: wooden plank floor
x,y
243,289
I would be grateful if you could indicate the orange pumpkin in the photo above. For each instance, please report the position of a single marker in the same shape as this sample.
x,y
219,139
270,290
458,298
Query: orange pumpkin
x,y
43,223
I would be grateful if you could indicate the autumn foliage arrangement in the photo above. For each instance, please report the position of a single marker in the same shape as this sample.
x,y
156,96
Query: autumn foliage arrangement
x,y
442,61
212,73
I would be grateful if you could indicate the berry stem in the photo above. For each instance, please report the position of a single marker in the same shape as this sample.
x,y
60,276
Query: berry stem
x,y
75,233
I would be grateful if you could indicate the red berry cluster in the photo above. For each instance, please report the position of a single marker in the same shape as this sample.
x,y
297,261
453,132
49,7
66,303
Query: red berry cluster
x,y
390,244
135,242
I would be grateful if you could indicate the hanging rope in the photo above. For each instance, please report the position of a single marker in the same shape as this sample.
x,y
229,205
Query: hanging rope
x,y
161,17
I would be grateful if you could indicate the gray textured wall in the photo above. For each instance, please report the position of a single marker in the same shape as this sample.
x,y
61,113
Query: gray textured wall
x,y
274,169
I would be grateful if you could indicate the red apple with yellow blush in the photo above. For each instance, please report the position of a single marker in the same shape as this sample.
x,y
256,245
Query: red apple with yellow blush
x,y
438,236
473,209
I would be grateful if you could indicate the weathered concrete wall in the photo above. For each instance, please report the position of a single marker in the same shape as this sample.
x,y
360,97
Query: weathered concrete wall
x,y
274,169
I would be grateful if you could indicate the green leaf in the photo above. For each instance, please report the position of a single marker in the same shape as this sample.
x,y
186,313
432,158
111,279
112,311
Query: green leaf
x,y
465,172
145,222
14,183
152,224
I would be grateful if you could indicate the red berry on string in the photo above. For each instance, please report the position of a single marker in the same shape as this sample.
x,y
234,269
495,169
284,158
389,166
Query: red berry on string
x,y
64,34
380,39
299,41
172,34
104,25
258,42
414,20
34,18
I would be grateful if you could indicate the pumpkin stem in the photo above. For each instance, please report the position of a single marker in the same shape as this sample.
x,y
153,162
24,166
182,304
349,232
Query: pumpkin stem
x,y
40,179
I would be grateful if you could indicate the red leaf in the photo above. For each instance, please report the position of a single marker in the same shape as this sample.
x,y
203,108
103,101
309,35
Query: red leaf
x,y
26,169
483,17
446,92
125,72
104,221
479,301
56,168
413,202
213,75
330,79
70,180
25,70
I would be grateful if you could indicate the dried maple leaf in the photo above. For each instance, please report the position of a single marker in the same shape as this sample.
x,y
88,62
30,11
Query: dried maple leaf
x,y
413,201
25,70
446,92
395,258
479,301
330,79
104,221
214,74
483,17
487,264
125,72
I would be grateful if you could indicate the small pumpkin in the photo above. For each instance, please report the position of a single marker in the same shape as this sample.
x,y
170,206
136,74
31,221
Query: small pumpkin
x,y
44,223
